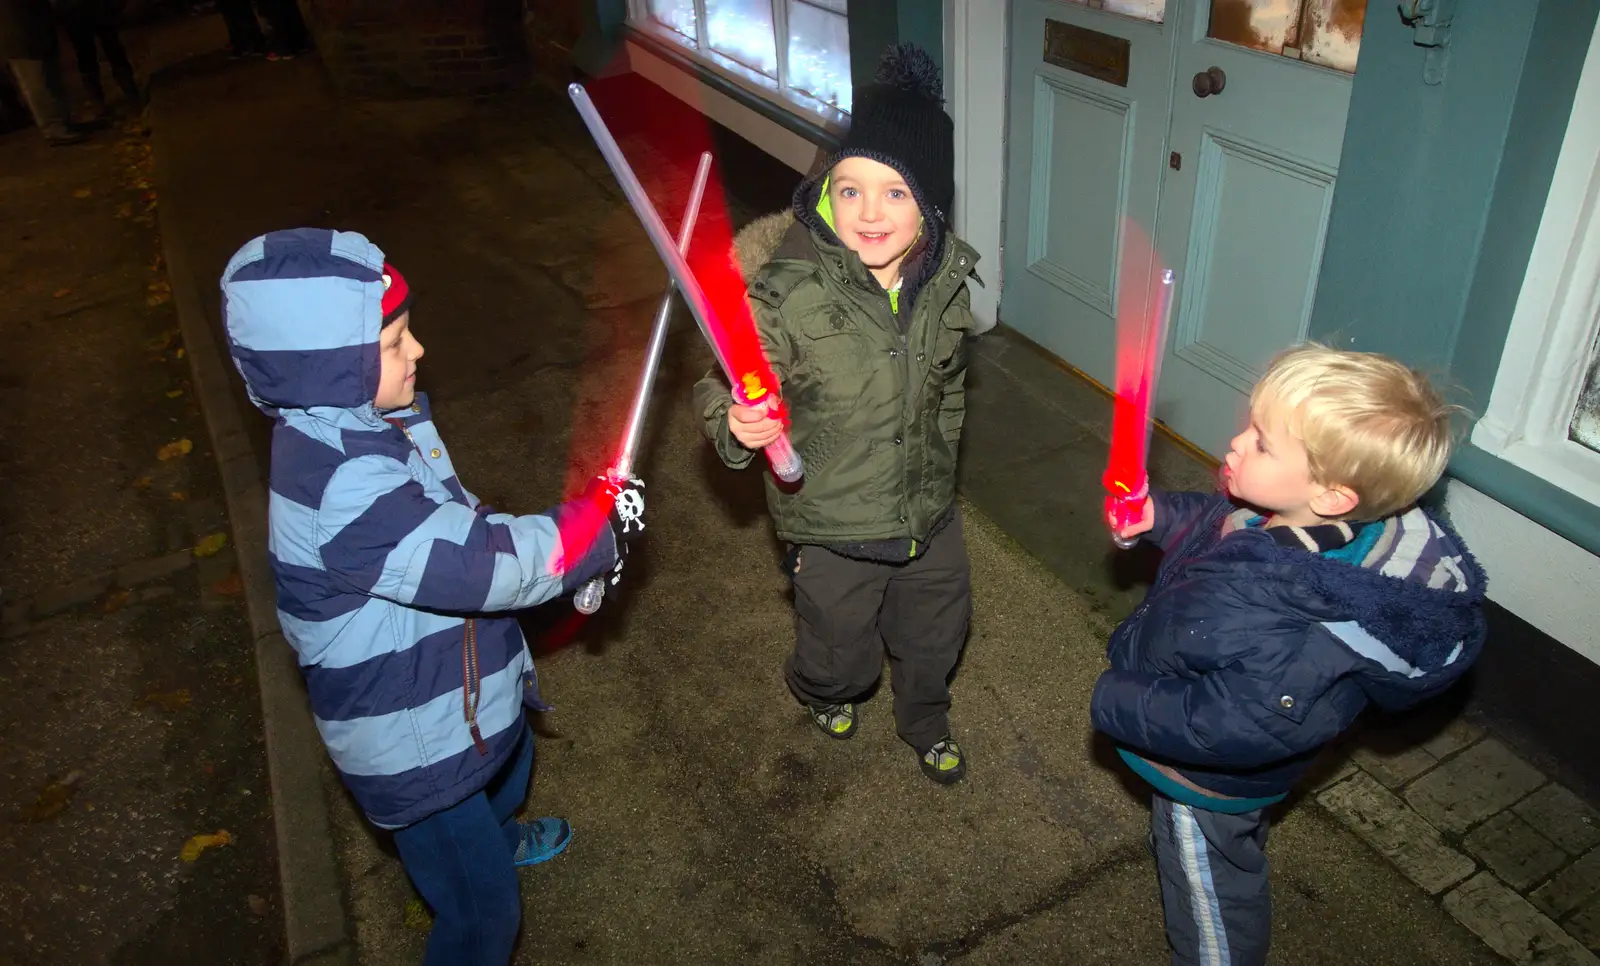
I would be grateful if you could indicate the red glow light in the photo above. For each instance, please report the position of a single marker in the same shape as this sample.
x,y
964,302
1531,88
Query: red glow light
x,y
1141,326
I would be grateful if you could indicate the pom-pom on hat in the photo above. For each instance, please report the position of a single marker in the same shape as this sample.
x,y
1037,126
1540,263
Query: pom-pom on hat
x,y
396,293
899,120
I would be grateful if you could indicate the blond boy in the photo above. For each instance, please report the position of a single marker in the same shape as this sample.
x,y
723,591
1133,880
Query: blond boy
x,y
1312,587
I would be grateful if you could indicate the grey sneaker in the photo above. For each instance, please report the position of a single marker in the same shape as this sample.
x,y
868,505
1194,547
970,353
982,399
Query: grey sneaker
x,y
837,721
944,762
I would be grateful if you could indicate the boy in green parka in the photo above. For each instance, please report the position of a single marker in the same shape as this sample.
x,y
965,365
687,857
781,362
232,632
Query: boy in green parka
x,y
860,298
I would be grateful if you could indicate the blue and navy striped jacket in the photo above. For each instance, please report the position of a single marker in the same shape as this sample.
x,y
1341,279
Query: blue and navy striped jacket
x,y
383,561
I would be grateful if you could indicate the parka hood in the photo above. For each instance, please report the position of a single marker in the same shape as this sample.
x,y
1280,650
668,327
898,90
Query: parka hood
x,y
303,309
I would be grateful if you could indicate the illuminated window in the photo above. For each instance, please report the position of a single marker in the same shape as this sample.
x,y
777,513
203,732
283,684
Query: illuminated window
x,y
1154,11
1324,32
799,49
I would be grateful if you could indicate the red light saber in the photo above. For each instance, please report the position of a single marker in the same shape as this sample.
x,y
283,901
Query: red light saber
x,y
726,324
1140,343
587,599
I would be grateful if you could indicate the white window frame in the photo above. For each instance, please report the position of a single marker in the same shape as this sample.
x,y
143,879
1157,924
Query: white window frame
x,y
1557,317
775,91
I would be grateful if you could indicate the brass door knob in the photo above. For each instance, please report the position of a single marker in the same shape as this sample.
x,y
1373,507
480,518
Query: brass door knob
x,y
1210,81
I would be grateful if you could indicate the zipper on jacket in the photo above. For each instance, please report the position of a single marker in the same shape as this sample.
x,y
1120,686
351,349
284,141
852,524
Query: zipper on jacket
x,y
471,678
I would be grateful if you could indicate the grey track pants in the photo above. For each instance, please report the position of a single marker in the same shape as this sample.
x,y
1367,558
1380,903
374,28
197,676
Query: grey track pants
x,y
1213,871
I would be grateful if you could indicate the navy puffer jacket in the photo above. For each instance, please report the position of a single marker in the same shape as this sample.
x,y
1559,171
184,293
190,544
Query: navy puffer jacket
x,y
1247,656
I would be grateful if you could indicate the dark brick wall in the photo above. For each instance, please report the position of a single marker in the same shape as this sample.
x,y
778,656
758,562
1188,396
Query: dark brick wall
x,y
401,48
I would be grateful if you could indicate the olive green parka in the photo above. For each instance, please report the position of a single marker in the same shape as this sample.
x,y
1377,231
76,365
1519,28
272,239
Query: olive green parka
x,y
876,401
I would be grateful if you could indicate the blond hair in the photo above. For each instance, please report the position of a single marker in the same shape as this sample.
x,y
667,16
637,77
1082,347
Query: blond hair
x,y
1368,422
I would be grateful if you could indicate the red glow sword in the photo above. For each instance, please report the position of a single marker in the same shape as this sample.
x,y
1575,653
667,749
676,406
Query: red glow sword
x,y
1139,346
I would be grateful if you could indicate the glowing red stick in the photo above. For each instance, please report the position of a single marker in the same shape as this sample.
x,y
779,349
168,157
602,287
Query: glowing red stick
x,y
718,306
1140,340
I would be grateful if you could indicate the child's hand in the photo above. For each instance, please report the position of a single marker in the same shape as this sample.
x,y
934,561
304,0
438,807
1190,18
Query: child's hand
x,y
754,426
1147,520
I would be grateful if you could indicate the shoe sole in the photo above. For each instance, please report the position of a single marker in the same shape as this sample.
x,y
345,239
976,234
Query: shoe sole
x,y
546,857
944,777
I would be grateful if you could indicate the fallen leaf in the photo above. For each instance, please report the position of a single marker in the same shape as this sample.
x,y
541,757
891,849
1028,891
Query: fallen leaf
x,y
52,799
160,285
174,450
178,496
257,905
211,545
179,353
125,210
209,769
141,483
115,601
157,298
174,393
169,701
199,843
229,586
416,915
82,193
62,293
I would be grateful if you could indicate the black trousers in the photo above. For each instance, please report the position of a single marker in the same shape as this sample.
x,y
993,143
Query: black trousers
x,y
91,25
289,33
244,31
848,612
43,88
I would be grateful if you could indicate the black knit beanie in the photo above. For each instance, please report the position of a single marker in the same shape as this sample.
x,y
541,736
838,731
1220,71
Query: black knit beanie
x,y
899,120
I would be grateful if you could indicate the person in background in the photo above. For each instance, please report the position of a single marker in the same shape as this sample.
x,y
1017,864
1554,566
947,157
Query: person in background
x,y
92,27
28,35
290,38
244,31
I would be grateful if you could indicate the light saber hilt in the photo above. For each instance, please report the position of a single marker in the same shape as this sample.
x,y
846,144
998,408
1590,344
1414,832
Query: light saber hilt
x,y
588,597
786,463
780,453
1125,503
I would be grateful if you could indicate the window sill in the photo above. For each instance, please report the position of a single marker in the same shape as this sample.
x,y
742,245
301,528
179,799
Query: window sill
x,y
1558,510
823,131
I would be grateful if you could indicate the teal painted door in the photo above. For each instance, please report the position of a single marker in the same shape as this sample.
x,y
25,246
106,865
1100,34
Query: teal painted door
x,y
1235,187
1084,158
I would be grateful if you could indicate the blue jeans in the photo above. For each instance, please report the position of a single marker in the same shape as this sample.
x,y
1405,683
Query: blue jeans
x,y
460,860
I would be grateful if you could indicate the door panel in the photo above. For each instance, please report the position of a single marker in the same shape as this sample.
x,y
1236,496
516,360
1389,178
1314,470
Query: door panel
x,y
1080,182
1083,155
1244,299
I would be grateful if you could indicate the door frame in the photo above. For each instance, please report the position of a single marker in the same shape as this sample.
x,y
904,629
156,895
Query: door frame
x,y
976,34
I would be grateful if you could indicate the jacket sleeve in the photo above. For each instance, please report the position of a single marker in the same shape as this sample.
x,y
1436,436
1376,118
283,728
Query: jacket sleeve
x,y
378,533
953,399
1175,511
713,396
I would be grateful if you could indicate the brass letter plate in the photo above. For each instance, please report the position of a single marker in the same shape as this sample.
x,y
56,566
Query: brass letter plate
x,y
1086,52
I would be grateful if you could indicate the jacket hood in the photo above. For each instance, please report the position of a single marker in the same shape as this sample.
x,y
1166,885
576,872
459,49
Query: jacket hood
x,y
303,309
1409,604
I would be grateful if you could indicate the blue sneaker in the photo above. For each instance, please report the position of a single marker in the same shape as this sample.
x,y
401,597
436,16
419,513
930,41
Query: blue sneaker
x,y
542,840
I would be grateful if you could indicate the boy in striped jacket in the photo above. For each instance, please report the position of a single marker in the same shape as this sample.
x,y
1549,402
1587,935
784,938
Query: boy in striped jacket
x,y
384,564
